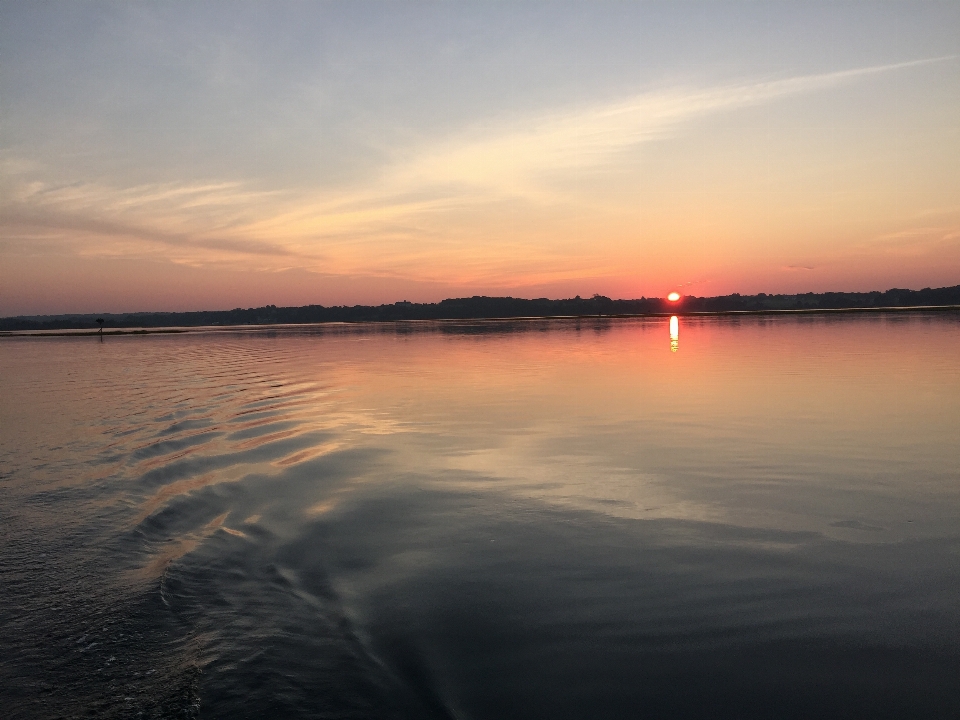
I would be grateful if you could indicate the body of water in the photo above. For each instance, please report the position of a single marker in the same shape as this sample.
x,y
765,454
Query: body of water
x,y
722,518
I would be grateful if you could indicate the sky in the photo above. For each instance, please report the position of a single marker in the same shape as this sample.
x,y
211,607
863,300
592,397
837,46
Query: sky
x,y
184,156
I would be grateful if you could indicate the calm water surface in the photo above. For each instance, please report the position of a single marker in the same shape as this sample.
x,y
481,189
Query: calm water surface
x,y
735,518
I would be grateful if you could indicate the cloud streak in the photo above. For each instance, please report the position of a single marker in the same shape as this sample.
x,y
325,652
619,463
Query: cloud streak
x,y
523,150
421,216
521,157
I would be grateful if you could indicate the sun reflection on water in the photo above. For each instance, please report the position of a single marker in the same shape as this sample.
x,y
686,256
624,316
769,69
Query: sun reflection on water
x,y
674,333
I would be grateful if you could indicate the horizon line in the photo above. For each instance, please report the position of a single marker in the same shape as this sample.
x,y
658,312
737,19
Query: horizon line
x,y
595,296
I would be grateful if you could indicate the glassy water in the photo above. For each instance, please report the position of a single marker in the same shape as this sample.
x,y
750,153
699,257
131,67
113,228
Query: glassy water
x,y
723,518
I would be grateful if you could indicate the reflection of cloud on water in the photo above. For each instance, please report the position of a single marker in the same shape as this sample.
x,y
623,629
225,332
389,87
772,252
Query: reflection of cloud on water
x,y
580,481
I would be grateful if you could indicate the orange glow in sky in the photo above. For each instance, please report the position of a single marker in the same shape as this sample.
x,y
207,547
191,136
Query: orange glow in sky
x,y
146,165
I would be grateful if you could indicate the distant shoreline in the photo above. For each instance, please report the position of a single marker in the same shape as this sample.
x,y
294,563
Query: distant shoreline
x,y
481,307
262,327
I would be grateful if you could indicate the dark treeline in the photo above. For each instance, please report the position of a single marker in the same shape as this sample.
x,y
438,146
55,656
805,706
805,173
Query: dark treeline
x,y
478,307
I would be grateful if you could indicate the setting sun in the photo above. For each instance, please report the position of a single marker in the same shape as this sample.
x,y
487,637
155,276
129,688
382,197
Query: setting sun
x,y
673,297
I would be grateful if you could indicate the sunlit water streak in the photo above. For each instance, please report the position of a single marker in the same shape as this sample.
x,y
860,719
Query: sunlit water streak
x,y
485,520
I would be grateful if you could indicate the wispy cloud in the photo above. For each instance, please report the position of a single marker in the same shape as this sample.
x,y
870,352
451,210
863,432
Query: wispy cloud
x,y
184,222
509,157
915,241
521,156
26,222
414,212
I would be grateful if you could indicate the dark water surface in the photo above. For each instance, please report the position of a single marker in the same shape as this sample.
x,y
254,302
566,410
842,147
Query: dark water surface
x,y
543,519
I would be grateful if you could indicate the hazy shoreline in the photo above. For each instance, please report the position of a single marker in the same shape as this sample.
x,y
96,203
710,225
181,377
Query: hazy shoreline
x,y
263,327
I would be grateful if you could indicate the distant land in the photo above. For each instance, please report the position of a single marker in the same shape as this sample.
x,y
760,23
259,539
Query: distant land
x,y
482,307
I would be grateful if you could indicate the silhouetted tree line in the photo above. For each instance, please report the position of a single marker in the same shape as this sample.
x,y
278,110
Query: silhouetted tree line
x,y
479,307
